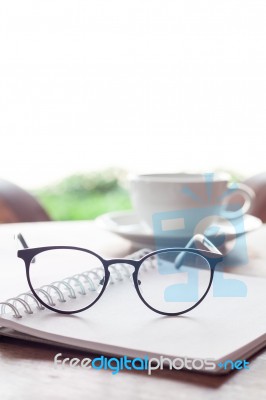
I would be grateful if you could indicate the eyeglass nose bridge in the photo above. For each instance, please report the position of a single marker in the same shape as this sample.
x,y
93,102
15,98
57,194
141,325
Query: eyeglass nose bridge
x,y
134,263
130,273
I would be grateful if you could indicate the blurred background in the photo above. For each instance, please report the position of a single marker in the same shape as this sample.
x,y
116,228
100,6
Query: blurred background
x,y
92,90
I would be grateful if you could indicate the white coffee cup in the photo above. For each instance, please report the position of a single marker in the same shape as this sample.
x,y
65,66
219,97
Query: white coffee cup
x,y
158,193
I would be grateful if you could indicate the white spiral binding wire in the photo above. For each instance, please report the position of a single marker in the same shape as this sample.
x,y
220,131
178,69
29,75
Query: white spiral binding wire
x,y
118,272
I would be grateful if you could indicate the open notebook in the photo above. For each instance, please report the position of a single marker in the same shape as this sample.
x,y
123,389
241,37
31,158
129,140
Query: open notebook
x,y
120,324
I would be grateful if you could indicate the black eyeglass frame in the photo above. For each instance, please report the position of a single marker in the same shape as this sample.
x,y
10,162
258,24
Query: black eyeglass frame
x,y
28,256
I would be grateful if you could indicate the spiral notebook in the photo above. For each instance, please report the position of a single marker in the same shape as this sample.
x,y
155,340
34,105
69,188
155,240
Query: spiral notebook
x,y
119,324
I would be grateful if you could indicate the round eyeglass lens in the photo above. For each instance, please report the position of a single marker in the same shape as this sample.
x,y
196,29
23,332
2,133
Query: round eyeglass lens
x,y
173,281
67,279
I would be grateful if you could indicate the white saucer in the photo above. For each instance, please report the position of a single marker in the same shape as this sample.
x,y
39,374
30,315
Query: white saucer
x,y
127,225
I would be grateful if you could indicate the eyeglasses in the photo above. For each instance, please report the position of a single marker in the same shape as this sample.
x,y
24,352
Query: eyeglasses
x,y
169,281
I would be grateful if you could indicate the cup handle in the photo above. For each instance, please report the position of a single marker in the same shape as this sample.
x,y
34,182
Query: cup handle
x,y
244,191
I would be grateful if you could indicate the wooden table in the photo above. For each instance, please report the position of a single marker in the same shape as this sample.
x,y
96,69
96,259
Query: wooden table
x,y
27,370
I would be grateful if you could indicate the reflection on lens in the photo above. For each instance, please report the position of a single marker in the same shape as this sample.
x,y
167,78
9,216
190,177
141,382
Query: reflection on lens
x,y
67,279
172,282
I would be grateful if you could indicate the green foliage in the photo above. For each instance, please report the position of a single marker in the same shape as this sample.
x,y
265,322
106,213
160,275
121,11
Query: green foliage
x,y
94,182
85,196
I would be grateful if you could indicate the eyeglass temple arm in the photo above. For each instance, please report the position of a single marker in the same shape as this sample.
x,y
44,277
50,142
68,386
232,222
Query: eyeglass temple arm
x,y
203,243
20,238
22,241
199,242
